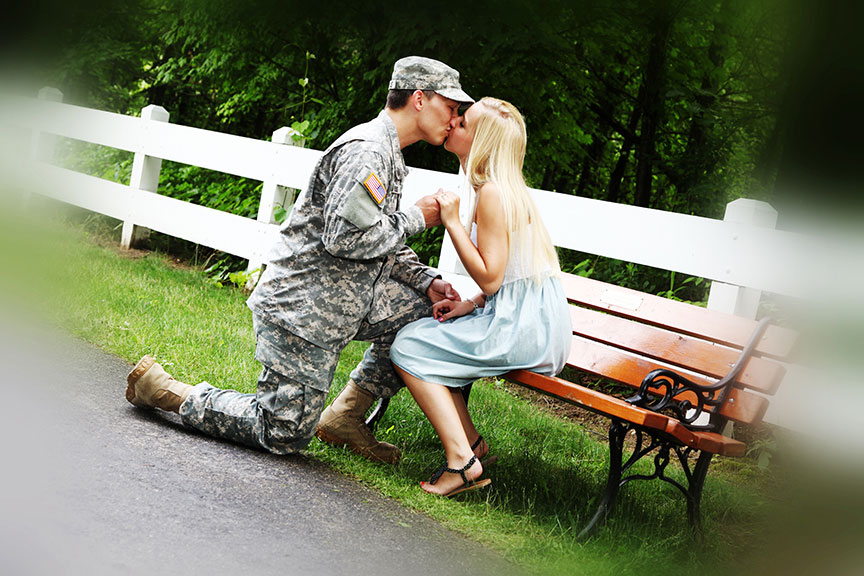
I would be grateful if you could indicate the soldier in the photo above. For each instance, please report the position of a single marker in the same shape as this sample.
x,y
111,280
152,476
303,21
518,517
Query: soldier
x,y
341,272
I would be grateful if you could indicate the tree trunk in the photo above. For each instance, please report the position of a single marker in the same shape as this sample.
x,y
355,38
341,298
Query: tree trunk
x,y
700,156
587,179
548,178
652,116
613,191
769,155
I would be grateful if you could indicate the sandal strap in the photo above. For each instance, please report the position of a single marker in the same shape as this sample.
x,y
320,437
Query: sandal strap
x,y
437,474
461,471
477,442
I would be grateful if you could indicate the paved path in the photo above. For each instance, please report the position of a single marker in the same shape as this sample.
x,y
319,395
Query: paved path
x,y
91,485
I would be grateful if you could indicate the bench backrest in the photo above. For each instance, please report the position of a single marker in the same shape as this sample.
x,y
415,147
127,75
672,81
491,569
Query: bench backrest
x,y
622,335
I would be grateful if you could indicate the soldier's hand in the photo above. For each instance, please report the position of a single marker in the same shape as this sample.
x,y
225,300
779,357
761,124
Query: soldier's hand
x,y
441,290
431,211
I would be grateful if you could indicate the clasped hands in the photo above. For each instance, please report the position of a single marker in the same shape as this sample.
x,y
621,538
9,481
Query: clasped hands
x,y
439,208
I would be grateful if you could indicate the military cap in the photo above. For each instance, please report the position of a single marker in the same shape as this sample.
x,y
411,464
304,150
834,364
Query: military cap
x,y
418,73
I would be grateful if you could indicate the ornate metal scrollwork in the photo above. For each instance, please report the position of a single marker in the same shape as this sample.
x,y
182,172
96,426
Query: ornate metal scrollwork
x,y
661,461
661,387
660,391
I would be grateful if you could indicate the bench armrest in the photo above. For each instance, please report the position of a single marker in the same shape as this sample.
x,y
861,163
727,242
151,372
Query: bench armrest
x,y
665,390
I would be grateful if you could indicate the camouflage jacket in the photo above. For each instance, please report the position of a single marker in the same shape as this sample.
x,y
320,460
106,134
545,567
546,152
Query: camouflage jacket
x,y
342,253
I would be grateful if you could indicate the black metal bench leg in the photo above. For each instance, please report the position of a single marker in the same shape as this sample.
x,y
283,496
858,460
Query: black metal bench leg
x,y
377,413
617,431
382,404
697,482
466,391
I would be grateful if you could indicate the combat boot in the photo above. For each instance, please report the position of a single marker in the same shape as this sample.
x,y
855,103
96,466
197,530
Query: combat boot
x,y
343,424
149,386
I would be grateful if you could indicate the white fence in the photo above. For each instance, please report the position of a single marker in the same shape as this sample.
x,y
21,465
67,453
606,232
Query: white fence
x,y
743,255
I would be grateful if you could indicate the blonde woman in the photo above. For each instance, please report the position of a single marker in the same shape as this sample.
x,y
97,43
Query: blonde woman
x,y
519,320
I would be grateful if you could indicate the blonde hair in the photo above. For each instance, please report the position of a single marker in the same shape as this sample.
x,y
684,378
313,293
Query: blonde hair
x,y
497,155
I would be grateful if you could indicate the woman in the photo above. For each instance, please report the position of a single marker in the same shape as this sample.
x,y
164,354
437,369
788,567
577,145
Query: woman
x,y
519,320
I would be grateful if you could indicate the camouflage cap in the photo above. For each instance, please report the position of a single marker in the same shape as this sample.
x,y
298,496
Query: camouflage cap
x,y
418,73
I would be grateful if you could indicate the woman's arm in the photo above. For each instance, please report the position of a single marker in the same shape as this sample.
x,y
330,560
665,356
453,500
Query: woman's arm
x,y
486,262
479,300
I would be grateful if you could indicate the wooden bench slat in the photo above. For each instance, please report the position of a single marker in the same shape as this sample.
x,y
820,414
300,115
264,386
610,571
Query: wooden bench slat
x,y
686,351
610,406
625,368
724,329
622,336
590,399
707,441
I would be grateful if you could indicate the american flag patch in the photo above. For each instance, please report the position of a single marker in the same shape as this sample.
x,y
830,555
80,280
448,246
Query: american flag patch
x,y
375,188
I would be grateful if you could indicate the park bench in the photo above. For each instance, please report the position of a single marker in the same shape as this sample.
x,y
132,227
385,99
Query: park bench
x,y
693,370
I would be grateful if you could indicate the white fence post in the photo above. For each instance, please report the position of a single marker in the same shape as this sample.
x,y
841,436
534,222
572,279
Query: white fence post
x,y
145,176
736,299
42,145
739,300
273,195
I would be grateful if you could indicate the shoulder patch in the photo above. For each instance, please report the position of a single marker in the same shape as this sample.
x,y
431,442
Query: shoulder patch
x,y
375,188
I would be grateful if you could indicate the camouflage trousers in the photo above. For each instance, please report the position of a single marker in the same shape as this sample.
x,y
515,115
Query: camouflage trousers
x,y
283,414
281,417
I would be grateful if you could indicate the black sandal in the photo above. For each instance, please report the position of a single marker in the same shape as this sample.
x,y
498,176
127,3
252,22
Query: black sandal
x,y
488,461
466,484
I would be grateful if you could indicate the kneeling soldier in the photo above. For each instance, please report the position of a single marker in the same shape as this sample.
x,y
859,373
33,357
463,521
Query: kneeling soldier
x,y
341,272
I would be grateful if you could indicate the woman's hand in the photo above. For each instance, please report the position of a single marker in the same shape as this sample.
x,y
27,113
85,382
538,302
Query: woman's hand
x,y
442,290
449,203
448,309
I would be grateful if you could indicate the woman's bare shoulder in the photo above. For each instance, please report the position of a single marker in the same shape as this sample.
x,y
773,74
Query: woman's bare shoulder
x,y
490,207
488,194
488,189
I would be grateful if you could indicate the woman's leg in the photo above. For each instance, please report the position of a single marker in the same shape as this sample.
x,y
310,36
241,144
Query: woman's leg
x,y
467,424
437,403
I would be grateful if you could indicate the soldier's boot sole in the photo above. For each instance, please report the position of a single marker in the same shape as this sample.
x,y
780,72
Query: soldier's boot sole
x,y
378,452
149,386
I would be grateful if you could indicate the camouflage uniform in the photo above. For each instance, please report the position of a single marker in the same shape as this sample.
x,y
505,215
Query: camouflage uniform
x,y
341,272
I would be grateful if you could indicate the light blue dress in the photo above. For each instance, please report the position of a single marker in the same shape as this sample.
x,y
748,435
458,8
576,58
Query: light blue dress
x,y
524,325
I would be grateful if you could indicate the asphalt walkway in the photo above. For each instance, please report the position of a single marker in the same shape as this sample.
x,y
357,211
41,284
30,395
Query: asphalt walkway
x,y
91,485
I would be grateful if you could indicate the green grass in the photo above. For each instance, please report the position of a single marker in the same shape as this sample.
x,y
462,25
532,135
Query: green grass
x,y
550,470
